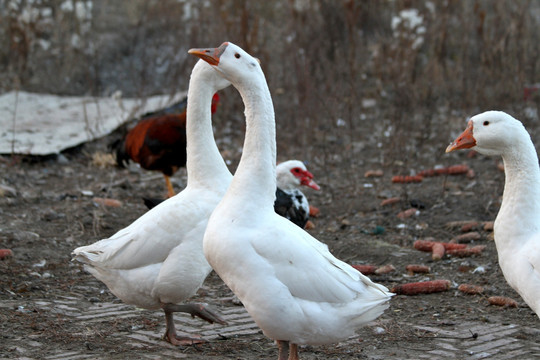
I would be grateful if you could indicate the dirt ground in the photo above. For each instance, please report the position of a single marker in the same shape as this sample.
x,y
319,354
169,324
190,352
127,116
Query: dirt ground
x,y
50,308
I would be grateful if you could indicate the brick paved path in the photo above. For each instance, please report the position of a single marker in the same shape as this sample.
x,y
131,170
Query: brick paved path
x,y
493,341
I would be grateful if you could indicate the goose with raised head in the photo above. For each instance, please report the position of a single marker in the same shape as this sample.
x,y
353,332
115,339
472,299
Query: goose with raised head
x,y
292,286
517,226
158,261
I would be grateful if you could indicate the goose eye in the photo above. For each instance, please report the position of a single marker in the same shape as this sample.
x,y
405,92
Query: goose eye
x,y
237,55
486,123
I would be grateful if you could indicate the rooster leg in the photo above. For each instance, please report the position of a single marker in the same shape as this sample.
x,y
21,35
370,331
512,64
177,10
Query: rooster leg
x,y
283,348
193,309
170,190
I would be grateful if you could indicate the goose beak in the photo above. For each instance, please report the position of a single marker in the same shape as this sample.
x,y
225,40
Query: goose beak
x,y
210,55
464,141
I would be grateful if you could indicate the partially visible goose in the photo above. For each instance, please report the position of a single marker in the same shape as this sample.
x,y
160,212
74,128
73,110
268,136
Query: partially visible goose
x,y
158,261
291,202
517,226
294,288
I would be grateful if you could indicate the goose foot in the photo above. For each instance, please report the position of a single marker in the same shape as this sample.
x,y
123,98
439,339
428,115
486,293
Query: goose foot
x,y
177,340
293,352
287,350
283,349
199,310
195,309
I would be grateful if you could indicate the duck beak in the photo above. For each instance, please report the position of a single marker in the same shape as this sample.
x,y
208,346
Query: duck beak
x,y
307,180
464,141
210,55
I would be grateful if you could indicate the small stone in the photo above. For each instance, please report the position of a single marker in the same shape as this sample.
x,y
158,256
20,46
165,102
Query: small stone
x,y
61,159
7,191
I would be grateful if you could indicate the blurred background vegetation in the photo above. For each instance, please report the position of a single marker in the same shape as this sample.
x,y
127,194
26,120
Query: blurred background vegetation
x,y
353,81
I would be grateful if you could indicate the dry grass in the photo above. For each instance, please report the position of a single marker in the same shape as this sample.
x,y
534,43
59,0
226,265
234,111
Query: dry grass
x,y
339,72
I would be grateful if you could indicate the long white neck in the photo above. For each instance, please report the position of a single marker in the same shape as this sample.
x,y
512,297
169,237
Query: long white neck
x,y
255,179
519,215
205,165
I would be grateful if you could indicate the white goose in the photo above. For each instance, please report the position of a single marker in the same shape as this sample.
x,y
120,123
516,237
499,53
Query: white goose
x,y
292,286
517,226
291,202
158,261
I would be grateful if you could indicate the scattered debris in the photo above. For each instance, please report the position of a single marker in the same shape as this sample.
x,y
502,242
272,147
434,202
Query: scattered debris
x,y
427,245
502,301
365,269
471,289
417,269
404,179
408,213
107,202
437,251
5,254
479,270
390,201
422,287
378,230
385,269
40,264
450,170
467,237
373,173
469,251
103,160
459,224
416,203
469,226
7,191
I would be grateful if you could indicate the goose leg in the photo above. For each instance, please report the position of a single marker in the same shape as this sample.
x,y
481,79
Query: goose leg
x,y
283,348
193,309
170,190
293,352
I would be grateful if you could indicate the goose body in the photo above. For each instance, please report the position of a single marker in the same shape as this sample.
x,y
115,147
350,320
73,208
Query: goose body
x,y
293,287
158,261
517,226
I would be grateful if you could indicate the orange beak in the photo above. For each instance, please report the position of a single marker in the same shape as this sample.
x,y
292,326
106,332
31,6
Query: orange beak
x,y
210,55
464,141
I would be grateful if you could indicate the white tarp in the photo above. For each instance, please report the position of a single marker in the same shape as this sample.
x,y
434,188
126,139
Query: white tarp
x,y
42,124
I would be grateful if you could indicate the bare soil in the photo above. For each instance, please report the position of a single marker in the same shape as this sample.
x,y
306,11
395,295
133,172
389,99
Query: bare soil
x,y
50,212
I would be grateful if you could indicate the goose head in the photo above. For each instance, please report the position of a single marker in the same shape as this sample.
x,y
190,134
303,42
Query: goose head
x,y
208,75
490,133
231,61
292,174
